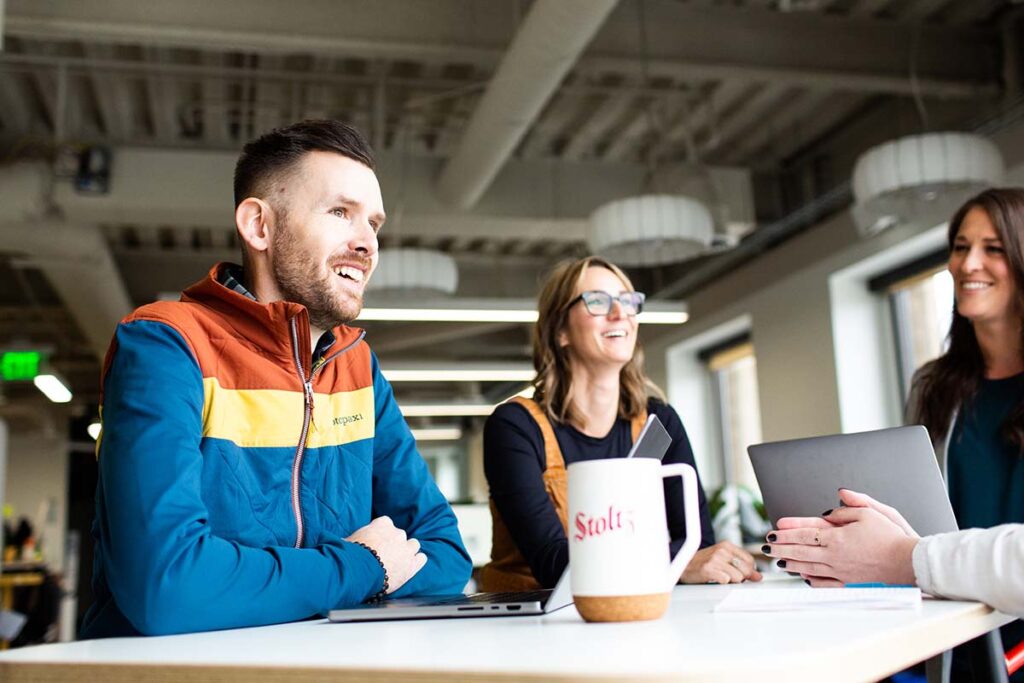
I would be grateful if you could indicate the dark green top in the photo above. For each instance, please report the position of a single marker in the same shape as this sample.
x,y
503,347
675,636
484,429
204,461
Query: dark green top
x,y
986,475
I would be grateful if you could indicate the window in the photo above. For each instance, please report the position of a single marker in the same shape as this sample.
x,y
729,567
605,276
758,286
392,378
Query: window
x,y
736,508
921,300
734,376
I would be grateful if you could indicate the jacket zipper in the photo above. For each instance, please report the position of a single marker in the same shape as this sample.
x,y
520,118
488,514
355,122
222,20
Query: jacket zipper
x,y
307,393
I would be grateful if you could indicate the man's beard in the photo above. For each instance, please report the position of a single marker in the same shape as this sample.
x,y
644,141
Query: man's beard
x,y
301,281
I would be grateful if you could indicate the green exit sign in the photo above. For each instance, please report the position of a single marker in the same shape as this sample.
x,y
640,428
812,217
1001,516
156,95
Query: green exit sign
x,y
19,365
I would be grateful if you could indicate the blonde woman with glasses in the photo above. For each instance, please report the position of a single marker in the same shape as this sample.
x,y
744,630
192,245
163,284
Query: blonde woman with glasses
x,y
591,399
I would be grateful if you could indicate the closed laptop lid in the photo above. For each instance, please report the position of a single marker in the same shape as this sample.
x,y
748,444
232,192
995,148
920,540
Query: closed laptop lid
x,y
801,477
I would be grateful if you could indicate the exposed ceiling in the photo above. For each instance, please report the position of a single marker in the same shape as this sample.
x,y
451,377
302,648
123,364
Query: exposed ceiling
x,y
500,124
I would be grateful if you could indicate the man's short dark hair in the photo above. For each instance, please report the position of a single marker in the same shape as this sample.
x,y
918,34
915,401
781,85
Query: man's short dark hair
x,y
278,151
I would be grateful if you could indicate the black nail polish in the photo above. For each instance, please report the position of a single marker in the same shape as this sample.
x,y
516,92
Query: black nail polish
x,y
772,537
766,549
807,581
781,564
826,513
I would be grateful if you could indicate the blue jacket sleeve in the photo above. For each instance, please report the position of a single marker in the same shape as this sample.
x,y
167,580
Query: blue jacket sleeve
x,y
404,491
167,572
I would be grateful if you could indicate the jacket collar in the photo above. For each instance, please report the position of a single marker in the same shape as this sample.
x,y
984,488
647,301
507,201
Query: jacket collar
x,y
267,325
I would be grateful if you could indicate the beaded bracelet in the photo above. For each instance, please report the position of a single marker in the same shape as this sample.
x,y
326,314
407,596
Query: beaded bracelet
x,y
379,595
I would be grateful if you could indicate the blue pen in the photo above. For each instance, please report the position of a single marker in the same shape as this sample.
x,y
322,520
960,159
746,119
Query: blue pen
x,y
877,585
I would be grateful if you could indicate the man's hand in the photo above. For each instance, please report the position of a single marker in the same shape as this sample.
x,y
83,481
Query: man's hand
x,y
721,563
400,555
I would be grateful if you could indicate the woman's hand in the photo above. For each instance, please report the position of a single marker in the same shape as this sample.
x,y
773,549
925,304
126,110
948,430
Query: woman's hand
x,y
866,541
863,500
721,563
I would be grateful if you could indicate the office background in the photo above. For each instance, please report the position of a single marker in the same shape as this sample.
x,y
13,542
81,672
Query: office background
x,y
502,128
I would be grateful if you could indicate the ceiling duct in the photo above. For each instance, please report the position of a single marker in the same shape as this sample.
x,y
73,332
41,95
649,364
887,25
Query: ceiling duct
x,y
547,45
74,258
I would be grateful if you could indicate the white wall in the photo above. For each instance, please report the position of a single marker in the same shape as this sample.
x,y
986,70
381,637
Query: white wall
x,y
819,337
691,394
800,300
788,319
864,338
37,481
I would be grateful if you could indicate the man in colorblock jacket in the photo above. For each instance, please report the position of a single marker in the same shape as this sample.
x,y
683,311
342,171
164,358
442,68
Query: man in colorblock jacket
x,y
254,466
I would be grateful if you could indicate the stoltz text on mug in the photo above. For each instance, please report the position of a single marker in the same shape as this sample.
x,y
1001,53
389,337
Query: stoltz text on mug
x,y
618,537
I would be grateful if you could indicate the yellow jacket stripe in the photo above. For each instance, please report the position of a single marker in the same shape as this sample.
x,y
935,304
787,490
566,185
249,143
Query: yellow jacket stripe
x,y
271,418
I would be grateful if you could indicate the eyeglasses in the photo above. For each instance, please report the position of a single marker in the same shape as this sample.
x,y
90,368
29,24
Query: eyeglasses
x,y
599,302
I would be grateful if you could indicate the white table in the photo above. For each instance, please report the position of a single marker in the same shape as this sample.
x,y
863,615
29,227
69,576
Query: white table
x,y
691,643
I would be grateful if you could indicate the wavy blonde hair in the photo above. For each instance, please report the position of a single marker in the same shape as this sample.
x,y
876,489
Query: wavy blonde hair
x,y
552,386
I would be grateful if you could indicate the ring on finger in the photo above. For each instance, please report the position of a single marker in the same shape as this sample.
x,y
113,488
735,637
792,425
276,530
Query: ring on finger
x,y
736,562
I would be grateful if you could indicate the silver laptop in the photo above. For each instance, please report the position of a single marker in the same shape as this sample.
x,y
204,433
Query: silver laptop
x,y
652,443
801,478
474,605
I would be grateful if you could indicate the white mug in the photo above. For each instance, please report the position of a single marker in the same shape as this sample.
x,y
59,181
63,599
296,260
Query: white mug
x,y
618,537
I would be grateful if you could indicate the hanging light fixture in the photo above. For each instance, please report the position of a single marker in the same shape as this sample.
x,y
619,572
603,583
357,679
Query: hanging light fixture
x,y
414,272
664,224
921,178
651,229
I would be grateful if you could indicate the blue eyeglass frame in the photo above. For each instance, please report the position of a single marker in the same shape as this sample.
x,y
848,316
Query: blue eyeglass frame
x,y
637,302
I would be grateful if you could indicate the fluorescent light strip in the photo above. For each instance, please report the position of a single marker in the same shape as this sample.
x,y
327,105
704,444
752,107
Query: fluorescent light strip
x,y
478,315
53,388
456,375
663,317
448,315
446,409
657,313
437,434
456,409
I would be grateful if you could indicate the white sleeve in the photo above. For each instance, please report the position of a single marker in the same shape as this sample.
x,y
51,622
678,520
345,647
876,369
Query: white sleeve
x,y
975,564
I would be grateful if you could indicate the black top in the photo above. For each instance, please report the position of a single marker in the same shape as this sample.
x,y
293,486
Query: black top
x,y
514,463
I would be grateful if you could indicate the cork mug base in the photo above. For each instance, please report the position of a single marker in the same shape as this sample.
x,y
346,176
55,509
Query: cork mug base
x,y
622,607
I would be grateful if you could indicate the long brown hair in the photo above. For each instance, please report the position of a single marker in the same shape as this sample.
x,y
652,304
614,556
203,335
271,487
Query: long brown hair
x,y
952,380
553,384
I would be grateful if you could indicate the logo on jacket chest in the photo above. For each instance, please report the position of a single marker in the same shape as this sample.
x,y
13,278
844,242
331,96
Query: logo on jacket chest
x,y
343,420
269,418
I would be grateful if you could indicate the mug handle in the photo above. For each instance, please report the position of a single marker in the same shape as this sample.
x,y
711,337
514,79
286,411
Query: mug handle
x,y
692,516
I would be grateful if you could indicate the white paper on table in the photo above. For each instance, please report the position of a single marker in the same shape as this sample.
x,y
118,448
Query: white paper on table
x,y
800,599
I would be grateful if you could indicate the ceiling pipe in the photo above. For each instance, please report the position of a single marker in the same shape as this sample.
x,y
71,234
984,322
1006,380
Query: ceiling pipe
x,y
550,40
759,241
74,258
803,218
